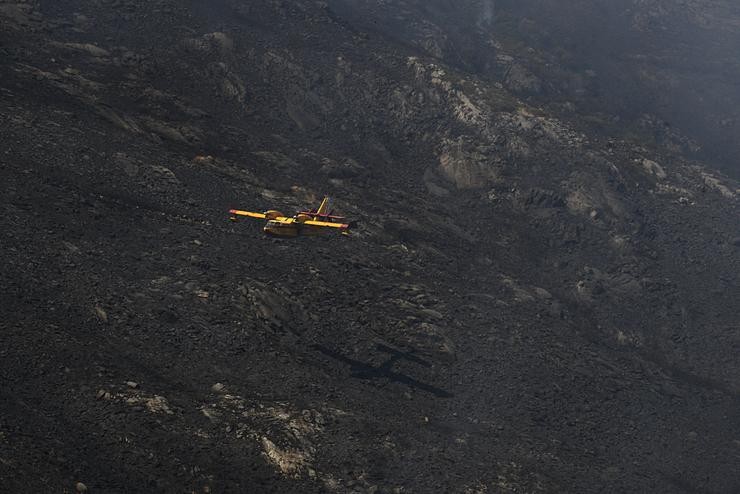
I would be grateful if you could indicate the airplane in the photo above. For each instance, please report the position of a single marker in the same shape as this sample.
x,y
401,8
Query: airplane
x,y
303,223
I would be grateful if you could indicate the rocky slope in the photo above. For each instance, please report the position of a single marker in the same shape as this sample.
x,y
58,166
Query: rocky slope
x,y
663,71
529,303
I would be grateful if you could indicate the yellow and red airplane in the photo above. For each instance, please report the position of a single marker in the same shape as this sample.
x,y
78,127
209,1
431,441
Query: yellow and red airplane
x,y
303,223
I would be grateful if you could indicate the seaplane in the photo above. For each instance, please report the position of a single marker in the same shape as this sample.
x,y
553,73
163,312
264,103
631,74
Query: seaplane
x,y
314,222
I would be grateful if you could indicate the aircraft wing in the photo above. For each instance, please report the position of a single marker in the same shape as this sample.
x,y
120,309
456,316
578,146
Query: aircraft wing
x,y
341,226
250,214
330,216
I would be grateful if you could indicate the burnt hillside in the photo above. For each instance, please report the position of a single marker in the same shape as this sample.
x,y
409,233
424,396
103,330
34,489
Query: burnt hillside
x,y
660,70
531,301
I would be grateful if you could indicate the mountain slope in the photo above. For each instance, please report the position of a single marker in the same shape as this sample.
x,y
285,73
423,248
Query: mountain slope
x,y
665,71
526,305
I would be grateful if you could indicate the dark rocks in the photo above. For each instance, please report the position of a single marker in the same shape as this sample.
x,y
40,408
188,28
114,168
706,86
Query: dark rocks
x,y
103,395
521,80
543,198
346,169
482,329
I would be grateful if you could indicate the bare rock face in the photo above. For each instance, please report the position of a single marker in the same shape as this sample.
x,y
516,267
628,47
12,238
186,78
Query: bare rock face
x,y
654,169
521,80
587,194
465,165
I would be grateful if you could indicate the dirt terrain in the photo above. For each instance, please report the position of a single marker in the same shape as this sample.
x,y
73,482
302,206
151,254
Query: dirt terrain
x,y
525,305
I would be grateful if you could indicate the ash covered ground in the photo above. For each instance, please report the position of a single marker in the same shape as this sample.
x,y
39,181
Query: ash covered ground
x,y
528,303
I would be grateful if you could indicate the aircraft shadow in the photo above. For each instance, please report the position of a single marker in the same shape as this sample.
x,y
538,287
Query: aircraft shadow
x,y
363,370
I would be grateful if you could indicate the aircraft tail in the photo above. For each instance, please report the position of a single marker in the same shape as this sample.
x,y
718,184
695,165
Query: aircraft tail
x,y
324,208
